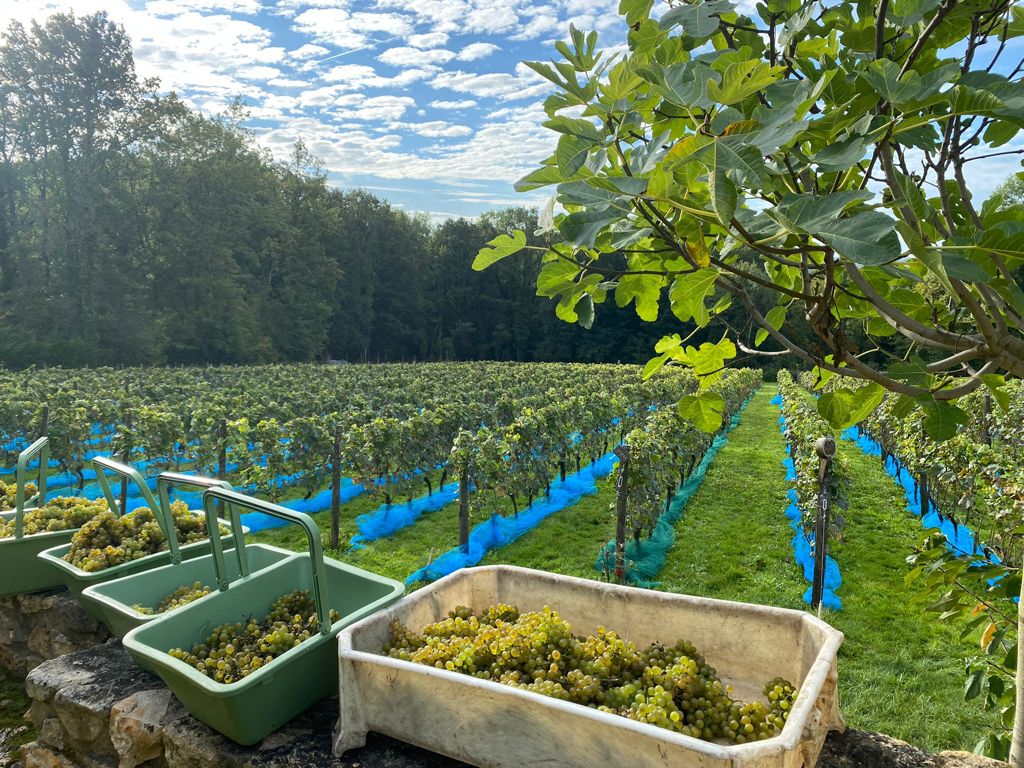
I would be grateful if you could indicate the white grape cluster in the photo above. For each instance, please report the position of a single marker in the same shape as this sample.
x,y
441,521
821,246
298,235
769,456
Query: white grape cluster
x,y
232,652
668,686
61,514
108,540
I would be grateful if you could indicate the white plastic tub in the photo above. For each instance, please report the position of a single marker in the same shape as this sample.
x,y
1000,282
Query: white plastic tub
x,y
497,726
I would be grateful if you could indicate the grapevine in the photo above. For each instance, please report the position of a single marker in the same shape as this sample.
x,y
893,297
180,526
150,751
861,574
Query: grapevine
x,y
671,687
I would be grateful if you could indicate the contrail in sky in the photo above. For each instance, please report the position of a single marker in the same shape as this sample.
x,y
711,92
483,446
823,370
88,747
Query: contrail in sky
x,y
344,53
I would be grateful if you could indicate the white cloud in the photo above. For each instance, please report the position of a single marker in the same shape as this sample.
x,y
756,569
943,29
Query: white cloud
x,y
288,82
406,57
464,104
376,108
428,40
355,77
475,51
258,73
328,25
175,7
434,129
496,85
492,17
308,51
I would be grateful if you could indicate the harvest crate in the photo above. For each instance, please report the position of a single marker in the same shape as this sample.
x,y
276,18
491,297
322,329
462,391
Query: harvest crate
x,y
498,726
20,567
77,579
251,708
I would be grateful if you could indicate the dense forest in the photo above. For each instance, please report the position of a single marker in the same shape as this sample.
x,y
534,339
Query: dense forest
x,y
134,229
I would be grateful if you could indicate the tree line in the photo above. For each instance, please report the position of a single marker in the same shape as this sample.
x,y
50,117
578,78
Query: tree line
x,y
136,230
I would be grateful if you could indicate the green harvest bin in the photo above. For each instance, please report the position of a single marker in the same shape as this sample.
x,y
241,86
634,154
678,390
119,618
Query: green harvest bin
x,y
76,579
114,599
248,710
20,567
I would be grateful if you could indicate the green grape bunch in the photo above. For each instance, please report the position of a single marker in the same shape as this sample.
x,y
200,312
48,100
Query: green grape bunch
x,y
179,597
671,687
232,652
61,514
107,540
9,494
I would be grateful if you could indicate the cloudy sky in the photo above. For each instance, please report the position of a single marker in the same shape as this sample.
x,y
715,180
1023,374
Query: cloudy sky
x,y
424,102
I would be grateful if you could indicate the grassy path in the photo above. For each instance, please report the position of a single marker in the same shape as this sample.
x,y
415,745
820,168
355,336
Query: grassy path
x,y
733,540
901,670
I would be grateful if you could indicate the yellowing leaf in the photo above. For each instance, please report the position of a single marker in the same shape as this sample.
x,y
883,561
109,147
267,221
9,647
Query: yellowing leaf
x,y
741,126
699,250
986,636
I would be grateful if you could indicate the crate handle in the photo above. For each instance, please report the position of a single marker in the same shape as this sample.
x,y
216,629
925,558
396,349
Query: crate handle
x,y
40,448
236,501
167,480
130,473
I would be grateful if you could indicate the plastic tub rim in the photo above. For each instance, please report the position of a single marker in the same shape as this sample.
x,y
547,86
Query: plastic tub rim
x,y
92,592
788,739
54,555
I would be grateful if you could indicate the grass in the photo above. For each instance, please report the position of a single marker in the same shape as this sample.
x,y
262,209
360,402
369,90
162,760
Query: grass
x,y
14,729
733,542
900,669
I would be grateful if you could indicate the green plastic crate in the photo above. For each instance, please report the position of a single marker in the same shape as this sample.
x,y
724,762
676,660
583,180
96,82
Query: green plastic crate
x,y
114,599
76,579
20,568
248,710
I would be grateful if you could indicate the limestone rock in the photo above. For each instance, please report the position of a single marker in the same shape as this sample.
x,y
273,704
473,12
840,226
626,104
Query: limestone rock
x,y
966,760
136,725
35,755
40,627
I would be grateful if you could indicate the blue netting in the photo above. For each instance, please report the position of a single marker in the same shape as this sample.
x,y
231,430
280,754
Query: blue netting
x,y
388,519
646,558
960,539
318,502
499,531
803,542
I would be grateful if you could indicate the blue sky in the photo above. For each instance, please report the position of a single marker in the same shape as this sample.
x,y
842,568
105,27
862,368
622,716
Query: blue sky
x,y
424,102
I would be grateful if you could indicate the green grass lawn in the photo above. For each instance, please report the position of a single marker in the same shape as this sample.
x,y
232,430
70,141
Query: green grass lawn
x,y
14,729
900,670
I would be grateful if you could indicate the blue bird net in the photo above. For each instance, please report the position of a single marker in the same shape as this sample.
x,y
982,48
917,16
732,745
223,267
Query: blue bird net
x,y
498,531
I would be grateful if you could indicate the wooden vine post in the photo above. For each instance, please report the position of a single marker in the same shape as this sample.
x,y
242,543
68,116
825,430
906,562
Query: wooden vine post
x,y
825,447
464,509
336,488
621,496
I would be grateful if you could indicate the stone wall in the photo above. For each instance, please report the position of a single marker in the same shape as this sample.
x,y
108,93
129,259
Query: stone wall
x,y
96,709
34,628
